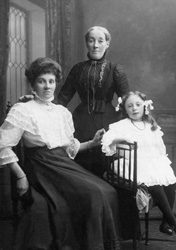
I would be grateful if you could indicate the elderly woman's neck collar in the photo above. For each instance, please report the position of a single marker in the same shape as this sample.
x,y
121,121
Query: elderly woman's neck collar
x,y
97,60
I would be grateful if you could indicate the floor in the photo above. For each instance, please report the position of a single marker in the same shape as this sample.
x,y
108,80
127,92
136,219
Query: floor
x,y
159,241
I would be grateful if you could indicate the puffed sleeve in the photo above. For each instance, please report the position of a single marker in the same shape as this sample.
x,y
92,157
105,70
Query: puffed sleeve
x,y
120,80
9,137
108,144
73,148
11,131
117,133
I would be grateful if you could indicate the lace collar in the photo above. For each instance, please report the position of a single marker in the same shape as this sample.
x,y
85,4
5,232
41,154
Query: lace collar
x,y
42,101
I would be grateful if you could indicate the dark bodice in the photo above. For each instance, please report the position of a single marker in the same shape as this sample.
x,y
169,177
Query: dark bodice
x,y
95,82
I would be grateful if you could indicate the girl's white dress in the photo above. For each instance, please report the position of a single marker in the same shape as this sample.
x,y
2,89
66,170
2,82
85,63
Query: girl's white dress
x,y
153,165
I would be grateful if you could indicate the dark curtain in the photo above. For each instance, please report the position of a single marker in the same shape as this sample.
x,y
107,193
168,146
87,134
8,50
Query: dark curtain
x,y
4,18
58,27
5,188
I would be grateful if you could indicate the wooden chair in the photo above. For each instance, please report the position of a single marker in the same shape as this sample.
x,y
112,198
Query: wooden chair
x,y
16,204
122,174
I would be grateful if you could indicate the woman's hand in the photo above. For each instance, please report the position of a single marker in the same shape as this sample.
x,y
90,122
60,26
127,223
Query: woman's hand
x,y
22,182
26,98
98,137
22,185
96,141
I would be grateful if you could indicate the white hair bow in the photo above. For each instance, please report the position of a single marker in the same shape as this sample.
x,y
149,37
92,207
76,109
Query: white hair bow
x,y
119,101
148,106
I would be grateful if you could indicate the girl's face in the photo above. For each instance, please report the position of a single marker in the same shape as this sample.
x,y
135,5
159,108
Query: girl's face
x,y
134,107
45,86
97,44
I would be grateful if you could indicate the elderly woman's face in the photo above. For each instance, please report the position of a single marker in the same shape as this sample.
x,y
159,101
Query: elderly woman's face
x,y
97,44
45,86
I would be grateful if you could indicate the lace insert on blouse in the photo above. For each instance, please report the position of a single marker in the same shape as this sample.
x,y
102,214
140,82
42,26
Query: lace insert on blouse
x,y
38,126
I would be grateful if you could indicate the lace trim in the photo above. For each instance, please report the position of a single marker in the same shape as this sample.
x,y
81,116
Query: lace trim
x,y
20,118
73,149
7,156
102,73
38,99
92,84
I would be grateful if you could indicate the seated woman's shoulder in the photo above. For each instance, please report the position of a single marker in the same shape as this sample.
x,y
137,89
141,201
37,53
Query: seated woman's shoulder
x,y
20,105
21,108
62,108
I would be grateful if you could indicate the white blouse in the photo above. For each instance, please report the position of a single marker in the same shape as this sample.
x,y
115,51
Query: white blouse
x,y
39,124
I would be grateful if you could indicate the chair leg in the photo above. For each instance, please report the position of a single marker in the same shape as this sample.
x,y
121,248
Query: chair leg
x,y
134,238
15,201
134,244
135,219
146,227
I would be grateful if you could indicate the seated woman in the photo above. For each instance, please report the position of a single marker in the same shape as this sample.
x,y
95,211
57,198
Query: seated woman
x,y
154,168
68,207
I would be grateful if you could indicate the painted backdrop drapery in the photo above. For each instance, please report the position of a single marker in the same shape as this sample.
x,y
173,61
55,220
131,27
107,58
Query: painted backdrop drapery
x,y
64,36
58,28
5,188
4,46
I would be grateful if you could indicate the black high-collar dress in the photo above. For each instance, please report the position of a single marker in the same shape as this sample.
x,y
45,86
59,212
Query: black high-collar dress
x,y
96,82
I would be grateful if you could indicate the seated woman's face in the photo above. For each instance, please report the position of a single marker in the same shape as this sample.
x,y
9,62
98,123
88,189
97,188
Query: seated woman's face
x,y
45,86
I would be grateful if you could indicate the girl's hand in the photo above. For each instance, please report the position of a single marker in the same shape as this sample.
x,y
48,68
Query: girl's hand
x,y
22,185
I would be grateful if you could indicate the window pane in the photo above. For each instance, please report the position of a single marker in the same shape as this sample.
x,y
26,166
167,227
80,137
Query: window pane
x,y
16,84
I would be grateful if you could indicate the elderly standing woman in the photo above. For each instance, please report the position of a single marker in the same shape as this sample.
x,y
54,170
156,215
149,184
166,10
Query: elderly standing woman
x,y
95,80
66,206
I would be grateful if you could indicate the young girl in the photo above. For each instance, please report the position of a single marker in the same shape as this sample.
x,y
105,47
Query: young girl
x,y
154,168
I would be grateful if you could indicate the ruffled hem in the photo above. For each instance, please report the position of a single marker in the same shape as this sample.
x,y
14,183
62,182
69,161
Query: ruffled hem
x,y
73,149
7,156
151,172
159,183
7,160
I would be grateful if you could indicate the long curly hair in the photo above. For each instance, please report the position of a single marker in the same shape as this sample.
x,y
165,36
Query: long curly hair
x,y
43,65
146,115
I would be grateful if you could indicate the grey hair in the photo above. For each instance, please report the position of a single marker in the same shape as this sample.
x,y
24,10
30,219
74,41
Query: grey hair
x,y
104,30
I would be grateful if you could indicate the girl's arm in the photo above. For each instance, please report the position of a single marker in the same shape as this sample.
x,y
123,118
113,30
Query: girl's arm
x,y
111,138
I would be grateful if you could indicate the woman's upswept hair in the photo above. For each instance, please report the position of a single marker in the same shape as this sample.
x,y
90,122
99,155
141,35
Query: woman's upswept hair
x,y
146,115
43,65
104,30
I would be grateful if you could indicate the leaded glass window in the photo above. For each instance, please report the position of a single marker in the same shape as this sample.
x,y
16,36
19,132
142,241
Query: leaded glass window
x,y
16,85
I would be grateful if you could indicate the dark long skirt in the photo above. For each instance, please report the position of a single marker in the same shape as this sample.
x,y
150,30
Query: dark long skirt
x,y
72,209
